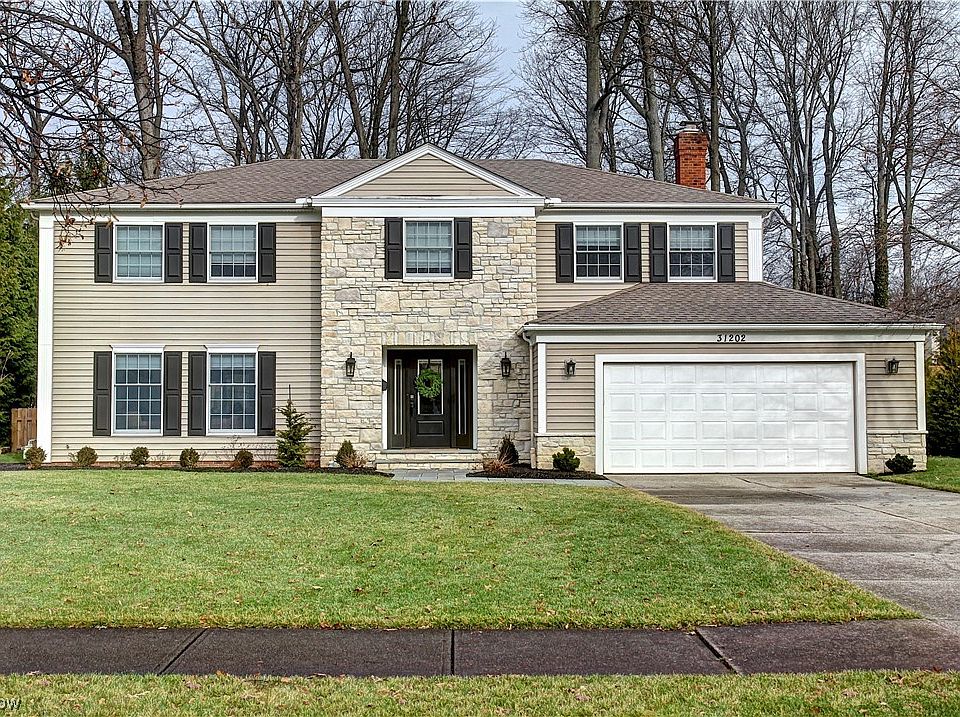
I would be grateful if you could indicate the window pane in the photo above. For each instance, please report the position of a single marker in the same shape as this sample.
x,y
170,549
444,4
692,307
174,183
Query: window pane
x,y
599,251
137,392
233,250
692,251
233,392
428,248
139,250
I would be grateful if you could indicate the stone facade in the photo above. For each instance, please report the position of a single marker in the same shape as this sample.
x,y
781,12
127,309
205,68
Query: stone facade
x,y
365,314
584,446
881,446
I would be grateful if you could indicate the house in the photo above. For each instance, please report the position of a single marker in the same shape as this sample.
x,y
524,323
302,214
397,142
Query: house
x,y
425,306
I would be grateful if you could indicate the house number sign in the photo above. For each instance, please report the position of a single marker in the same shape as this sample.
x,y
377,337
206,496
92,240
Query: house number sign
x,y
731,338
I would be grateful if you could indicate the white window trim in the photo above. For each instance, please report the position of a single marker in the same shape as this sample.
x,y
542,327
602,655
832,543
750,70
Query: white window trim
x,y
416,278
234,349
211,279
598,279
156,349
136,222
695,279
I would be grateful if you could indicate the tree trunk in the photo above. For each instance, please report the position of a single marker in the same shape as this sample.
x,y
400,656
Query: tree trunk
x,y
402,8
651,102
595,128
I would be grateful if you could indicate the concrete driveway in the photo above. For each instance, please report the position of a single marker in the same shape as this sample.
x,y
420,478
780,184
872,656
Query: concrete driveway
x,y
898,541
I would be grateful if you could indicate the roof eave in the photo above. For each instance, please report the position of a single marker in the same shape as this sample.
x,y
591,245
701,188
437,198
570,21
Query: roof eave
x,y
535,327
708,206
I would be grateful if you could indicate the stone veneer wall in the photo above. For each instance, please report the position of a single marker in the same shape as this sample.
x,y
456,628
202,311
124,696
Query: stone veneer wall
x,y
881,446
364,313
584,446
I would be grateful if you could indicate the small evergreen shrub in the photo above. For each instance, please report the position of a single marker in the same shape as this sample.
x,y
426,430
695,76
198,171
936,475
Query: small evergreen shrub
x,y
508,452
189,458
243,460
901,464
84,458
34,456
292,439
345,454
566,460
140,456
943,399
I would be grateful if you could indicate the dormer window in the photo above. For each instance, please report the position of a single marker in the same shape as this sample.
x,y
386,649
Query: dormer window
x,y
599,252
693,252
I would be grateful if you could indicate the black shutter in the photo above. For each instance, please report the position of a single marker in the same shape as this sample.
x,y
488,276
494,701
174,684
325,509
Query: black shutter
x,y
198,253
267,253
658,252
632,262
196,393
393,248
726,253
102,384
173,253
267,393
103,254
172,386
564,253
463,249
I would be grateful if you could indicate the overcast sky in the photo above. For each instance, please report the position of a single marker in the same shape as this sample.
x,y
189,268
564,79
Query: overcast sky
x,y
508,16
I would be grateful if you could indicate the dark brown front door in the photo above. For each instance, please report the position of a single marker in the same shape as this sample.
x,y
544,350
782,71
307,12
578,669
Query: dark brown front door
x,y
426,421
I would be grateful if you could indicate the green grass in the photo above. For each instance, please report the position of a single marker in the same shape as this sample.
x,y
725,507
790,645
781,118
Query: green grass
x,y
847,693
14,457
941,474
170,548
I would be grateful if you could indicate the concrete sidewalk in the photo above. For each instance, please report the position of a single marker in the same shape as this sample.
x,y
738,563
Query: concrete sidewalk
x,y
799,647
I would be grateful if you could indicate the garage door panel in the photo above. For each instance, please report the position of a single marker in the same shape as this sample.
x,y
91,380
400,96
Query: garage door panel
x,y
737,416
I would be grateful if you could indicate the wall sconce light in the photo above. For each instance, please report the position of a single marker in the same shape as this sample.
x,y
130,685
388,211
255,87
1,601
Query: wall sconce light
x,y
570,367
506,366
893,366
350,366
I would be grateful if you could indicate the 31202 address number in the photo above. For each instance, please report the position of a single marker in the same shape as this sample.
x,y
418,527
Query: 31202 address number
x,y
731,338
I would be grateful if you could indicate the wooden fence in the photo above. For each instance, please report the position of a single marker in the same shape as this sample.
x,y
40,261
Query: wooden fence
x,y
23,427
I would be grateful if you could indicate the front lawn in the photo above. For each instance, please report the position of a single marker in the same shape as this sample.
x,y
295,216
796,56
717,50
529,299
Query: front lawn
x,y
12,457
847,693
941,474
155,548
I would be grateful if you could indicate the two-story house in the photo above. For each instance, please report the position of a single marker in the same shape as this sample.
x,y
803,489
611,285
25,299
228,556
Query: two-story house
x,y
425,306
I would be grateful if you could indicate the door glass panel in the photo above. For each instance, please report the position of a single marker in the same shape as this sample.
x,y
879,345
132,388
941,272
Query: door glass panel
x,y
430,406
398,396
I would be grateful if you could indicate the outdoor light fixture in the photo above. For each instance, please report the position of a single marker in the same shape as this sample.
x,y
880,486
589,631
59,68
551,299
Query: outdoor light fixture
x,y
570,367
350,365
506,366
893,365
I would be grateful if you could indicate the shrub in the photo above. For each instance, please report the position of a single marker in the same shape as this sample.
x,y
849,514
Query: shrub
x,y
243,460
943,399
495,465
345,454
355,461
508,452
901,464
140,456
566,460
34,456
189,458
84,458
292,440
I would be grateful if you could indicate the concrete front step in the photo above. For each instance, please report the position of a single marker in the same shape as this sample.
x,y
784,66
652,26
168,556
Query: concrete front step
x,y
430,460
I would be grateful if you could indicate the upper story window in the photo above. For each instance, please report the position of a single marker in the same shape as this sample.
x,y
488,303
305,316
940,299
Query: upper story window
x,y
599,252
428,249
233,392
233,251
139,251
693,252
137,388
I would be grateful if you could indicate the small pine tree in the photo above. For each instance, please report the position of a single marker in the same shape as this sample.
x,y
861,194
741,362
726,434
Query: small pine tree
x,y
943,399
292,440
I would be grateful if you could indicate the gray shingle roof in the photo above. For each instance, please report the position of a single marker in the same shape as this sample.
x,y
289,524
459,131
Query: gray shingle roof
x,y
740,303
283,181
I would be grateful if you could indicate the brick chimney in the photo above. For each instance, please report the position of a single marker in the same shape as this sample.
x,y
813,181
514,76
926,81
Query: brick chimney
x,y
690,147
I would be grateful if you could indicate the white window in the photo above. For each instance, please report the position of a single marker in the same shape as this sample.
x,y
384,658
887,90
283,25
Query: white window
x,y
428,249
232,392
137,389
139,251
233,251
599,252
693,253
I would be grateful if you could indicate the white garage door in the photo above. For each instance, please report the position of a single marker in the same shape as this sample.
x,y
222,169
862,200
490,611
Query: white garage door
x,y
728,417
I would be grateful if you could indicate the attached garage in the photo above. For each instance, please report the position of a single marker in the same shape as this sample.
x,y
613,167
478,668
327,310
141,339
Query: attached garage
x,y
728,413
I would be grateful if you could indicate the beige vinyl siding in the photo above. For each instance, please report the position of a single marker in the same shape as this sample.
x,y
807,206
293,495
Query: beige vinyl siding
x,y
891,400
87,317
428,176
741,251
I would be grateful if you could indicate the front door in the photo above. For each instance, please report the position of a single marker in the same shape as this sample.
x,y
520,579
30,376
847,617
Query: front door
x,y
430,398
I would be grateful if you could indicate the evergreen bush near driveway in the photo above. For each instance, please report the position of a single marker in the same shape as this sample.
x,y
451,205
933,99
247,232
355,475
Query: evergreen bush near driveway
x,y
292,439
943,399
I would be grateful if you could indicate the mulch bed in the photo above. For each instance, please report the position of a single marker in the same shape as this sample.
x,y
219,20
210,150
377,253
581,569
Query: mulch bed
x,y
524,470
